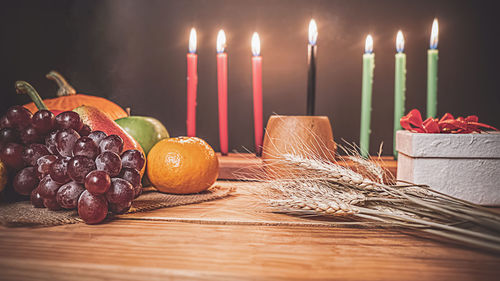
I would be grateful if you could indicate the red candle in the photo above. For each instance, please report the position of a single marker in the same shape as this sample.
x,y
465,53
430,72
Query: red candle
x,y
222,91
192,84
257,93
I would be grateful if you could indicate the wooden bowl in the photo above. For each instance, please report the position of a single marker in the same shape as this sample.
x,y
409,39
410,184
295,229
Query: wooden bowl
x,y
298,135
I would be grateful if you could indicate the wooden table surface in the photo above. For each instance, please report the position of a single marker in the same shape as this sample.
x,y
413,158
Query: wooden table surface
x,y
232,239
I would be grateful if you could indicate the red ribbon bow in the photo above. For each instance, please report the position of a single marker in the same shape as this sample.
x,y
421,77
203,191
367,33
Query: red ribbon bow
x,y
447,124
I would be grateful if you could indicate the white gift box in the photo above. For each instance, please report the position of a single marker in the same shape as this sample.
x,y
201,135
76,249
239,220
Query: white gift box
x,y
465,166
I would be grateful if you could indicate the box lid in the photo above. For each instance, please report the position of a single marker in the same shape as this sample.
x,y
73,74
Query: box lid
x,y
484,145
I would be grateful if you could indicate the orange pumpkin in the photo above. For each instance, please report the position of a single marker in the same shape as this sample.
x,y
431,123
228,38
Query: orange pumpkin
x,y
68,99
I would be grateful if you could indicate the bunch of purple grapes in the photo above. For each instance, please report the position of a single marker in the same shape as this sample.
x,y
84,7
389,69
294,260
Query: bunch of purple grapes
x,y
61,164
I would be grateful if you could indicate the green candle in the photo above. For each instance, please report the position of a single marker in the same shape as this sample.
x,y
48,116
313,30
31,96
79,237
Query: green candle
x,y
432,71
366,97
399,86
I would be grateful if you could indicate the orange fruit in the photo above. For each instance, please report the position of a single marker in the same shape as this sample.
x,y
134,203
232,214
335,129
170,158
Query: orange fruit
x,y
182,165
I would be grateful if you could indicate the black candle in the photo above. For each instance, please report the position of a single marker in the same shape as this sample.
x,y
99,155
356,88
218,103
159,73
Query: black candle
x,y
312,50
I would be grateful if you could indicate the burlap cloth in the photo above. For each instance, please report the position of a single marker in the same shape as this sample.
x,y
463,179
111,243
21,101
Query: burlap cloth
x,y
24,214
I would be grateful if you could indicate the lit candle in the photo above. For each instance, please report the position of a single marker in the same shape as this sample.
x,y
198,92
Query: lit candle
x,y
257,93
222,90
366,96
192,84
312,50
399,86
432,72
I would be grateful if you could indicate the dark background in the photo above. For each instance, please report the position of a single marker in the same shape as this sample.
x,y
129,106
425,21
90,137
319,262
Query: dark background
x,y
134,53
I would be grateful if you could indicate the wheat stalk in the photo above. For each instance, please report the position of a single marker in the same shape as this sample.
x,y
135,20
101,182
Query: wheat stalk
x,y
308,183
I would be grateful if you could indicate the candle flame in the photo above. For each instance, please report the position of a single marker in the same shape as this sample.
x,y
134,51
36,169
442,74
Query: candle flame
x,y
434,34
369,44
400,42
313,32
221,41
192,41
255,44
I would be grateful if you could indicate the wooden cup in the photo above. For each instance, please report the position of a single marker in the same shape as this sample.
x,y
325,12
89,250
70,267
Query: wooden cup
x,y
298,135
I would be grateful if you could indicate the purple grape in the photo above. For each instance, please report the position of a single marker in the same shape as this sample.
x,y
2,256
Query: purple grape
x,y
9,194
132,176
5,123
92,208
120,208
33,152
85,146
65,140
134,159
30,135
25,181
69,120
36,199
43,121
110,162
50,142
138,191
18,116
97,136
79,166
67,196
97,182
11,154
59,170
120,192
43,165
85,130
48,187
9,135
51,204
113,143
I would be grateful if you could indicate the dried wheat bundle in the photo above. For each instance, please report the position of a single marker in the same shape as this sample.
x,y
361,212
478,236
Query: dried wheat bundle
x,y
301,181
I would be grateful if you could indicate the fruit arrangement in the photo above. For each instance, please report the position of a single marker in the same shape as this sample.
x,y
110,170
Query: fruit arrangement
x,y
70,161
81,159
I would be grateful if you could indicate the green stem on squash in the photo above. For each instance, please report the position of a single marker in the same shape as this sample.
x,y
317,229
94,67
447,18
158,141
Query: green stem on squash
x,y
65,89
23,87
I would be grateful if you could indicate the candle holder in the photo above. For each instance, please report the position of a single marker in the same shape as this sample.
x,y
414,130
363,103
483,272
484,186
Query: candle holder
x,y
297,135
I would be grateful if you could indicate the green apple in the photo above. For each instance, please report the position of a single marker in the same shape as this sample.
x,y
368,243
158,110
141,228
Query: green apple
x,y
147,131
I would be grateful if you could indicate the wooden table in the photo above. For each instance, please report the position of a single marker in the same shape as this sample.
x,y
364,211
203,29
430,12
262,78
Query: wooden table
x,y
232,239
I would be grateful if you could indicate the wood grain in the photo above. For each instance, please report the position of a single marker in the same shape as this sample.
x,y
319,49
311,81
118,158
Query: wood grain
x,y
236,238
